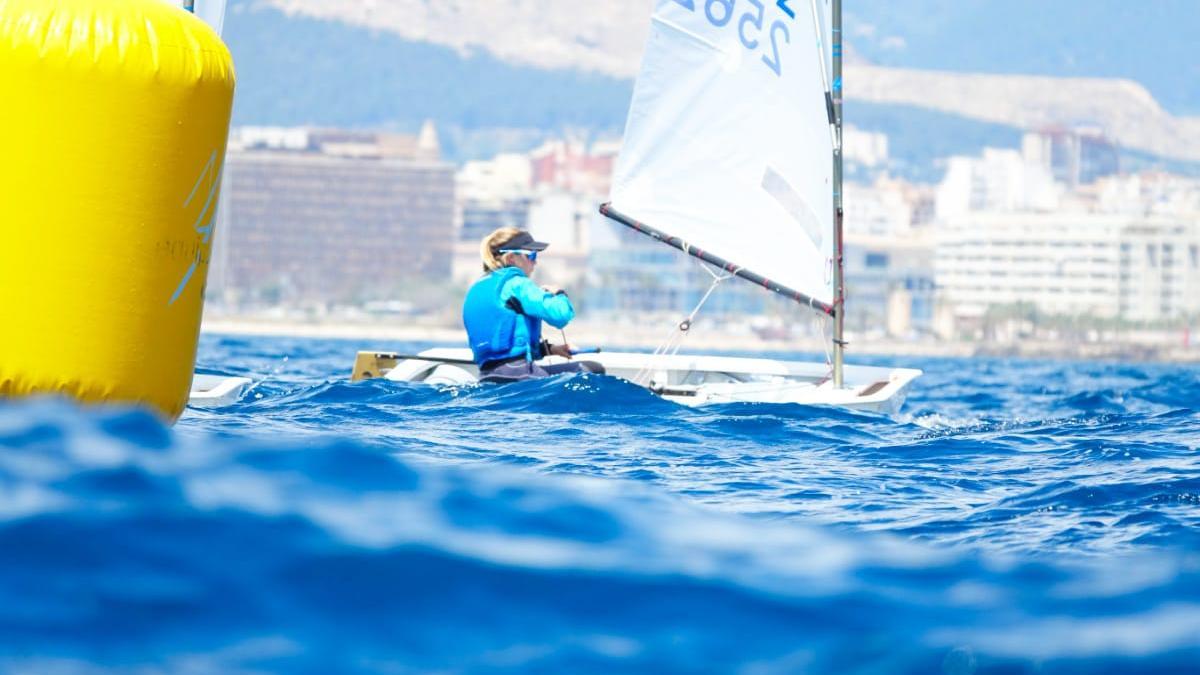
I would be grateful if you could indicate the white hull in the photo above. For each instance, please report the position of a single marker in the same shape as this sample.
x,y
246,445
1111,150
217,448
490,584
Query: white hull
x,y
215,391
693,380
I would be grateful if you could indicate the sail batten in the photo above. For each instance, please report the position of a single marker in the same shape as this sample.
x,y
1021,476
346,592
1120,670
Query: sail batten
x,y
728,143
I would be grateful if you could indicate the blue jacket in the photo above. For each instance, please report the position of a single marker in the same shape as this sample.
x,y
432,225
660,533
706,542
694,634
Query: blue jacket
x,y
503,314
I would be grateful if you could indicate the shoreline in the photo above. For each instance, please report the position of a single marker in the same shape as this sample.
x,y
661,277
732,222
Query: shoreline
x,y
629,337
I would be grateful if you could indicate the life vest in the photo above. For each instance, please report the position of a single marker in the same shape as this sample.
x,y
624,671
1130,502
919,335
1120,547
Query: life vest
x,y
497,328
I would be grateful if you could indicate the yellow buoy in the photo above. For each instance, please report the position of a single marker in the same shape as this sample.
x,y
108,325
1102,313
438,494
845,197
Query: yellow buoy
x,y
113,132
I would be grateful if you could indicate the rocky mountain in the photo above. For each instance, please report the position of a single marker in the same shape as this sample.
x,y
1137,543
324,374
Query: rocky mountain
x,y
1149,42
1123,108
525,64
605,36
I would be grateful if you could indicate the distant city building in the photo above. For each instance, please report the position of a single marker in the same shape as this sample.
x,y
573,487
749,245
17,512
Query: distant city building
x,y
573,167
564,220
999,181
481,217
504,176
326,216
883,209
1145,193
868,148
339,142
493,194
1160,270
1075,156
890,283
1070,264
923,199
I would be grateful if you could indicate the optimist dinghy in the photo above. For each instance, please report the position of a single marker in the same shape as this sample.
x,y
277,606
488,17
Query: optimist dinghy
x,y
732,155
689,380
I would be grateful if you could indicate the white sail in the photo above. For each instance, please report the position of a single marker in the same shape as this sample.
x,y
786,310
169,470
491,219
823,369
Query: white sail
x,y
728,144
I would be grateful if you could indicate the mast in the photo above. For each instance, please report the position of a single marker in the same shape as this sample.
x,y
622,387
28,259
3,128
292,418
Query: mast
x,y
839,290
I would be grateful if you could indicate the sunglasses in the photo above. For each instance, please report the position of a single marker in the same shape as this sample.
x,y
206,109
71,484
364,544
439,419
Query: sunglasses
x,y
532,255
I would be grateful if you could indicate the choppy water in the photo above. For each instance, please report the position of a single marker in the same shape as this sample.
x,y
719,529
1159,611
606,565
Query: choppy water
x,y
1019,517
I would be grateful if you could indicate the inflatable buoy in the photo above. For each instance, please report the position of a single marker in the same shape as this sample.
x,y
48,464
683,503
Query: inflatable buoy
x,y
113,130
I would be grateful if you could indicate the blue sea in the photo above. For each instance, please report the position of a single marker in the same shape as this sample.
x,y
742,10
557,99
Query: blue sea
x,y
1017,517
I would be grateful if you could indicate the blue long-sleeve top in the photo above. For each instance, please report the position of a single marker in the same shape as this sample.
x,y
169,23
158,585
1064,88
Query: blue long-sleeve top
x,y
553,308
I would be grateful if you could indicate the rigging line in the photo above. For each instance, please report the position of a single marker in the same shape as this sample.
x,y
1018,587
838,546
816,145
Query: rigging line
x,y
674,340
717,279
732,272
274,372
642,377
826,341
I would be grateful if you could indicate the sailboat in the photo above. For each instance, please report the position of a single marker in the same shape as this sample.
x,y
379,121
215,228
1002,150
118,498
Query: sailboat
x,y
732,155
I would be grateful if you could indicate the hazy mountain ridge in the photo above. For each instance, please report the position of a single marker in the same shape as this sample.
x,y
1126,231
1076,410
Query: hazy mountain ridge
x,y
1125,109
1152,43
605,37
509,59
1146,42
298,70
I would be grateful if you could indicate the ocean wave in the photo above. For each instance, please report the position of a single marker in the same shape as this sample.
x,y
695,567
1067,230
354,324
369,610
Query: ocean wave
x,y
131,546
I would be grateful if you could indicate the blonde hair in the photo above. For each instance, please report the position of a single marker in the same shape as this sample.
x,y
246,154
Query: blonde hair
x,y
490,243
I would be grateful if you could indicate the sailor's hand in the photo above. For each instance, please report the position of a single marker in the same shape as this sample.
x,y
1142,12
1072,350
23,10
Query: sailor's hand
x,y
561,350
553,290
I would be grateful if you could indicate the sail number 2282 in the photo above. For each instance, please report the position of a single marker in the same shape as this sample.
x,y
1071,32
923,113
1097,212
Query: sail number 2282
x,y
720,13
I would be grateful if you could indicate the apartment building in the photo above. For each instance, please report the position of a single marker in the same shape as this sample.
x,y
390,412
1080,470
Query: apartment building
x,y
1137,268
310,217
